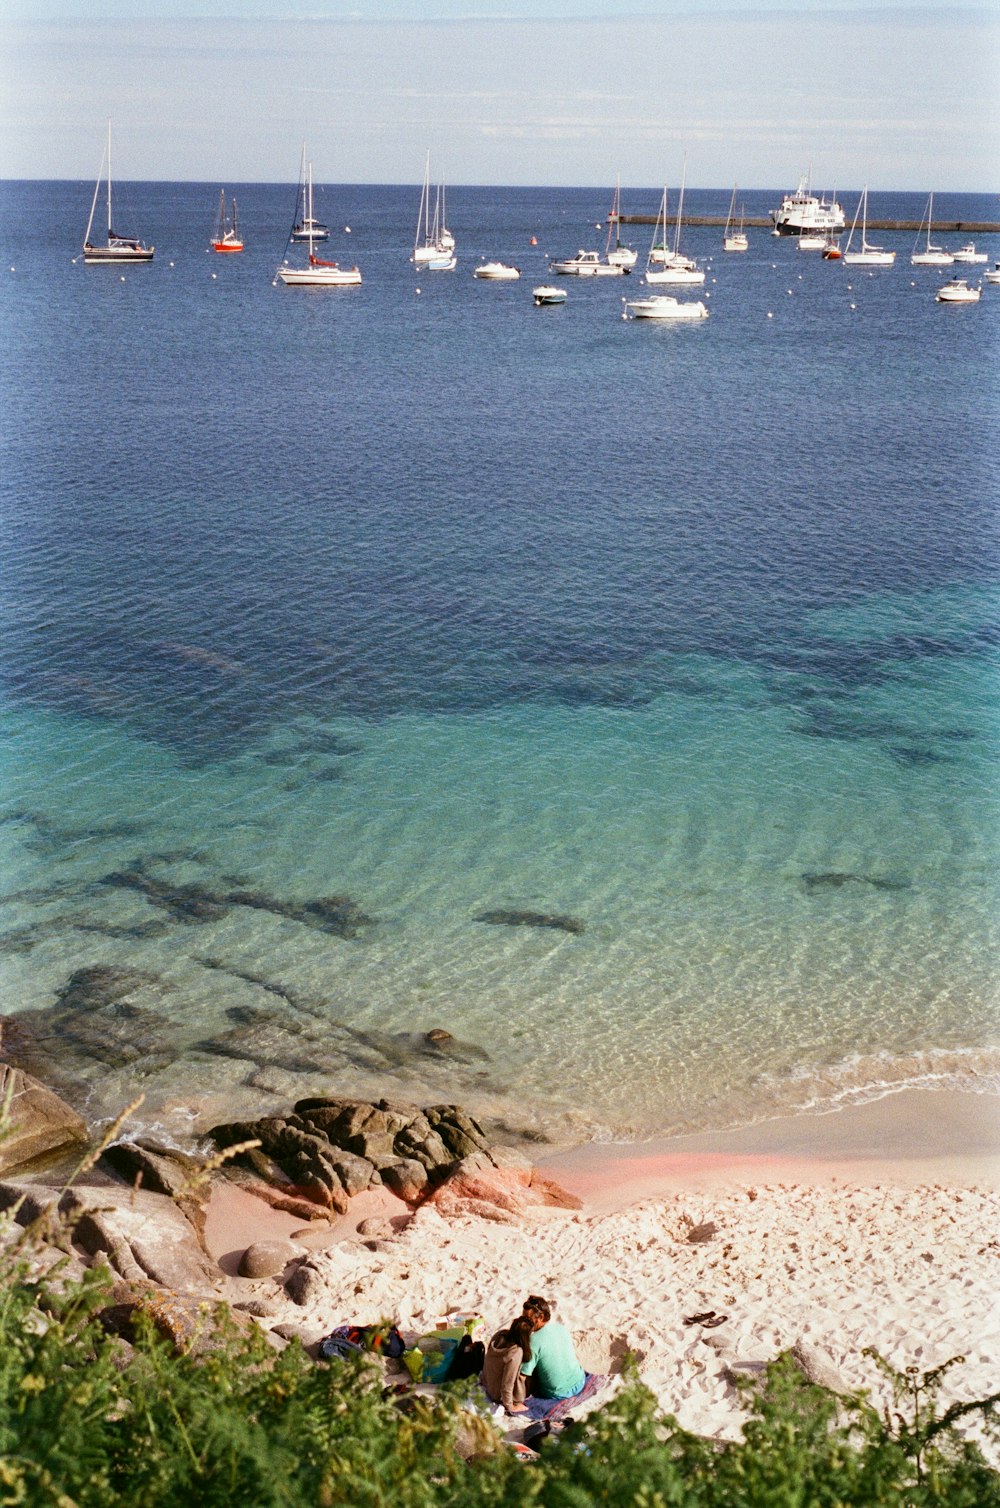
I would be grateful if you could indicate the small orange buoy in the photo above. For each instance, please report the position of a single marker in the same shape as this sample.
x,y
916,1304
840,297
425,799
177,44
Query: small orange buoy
x,y
534,241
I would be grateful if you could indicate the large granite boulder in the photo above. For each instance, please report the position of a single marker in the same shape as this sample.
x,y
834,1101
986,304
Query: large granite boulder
x,y
39,1123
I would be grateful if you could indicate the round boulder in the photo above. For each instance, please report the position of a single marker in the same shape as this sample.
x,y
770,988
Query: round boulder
x,y
265,1259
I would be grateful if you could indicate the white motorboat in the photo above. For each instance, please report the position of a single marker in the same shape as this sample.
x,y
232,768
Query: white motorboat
x,y
957,292
618,255
663,306
808,242
869,255
734,240
434,244
968,253
931,256
496,272
117,248
671,268
993,276
316,273
545,294
586,264
803,212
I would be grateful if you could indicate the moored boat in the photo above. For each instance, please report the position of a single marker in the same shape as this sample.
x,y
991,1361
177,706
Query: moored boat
x,y
869,255
117,248
931,256
546,294
809,242
957,292
618,255
664,306
226,236
803,212
496,272
586,264
316,273
671,267
434,244
968,253
734,240
993,276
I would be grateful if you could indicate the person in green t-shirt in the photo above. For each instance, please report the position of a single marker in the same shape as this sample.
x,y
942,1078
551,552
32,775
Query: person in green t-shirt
x,y
553,1366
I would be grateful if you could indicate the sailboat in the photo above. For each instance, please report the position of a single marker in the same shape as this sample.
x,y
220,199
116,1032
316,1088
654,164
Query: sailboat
x,y
434,244
931,256
868,256
676,270
117,248
734,240
226,237
617,254
306,227
316,273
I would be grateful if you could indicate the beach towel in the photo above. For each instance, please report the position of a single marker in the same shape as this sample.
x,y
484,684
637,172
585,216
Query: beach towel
x,y
554,1409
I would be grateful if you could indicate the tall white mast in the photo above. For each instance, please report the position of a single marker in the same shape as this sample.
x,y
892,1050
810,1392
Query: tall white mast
x,y
109,180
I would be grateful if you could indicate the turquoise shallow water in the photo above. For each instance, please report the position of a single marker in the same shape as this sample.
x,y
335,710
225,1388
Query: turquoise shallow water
x,y
492,613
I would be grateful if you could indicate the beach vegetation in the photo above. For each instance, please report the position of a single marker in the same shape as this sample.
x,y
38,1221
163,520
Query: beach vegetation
x,y
89,1419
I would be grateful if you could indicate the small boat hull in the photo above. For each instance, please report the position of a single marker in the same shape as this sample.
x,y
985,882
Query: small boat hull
x,y
663,307
545,295
94,256
496,272
676,277
736,243
320,277
957,292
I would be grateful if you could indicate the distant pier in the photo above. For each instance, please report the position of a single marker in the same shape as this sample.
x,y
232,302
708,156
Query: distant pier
x,y
764,222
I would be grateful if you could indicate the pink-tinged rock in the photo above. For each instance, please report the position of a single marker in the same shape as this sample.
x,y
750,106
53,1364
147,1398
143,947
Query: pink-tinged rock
x,y
476,1183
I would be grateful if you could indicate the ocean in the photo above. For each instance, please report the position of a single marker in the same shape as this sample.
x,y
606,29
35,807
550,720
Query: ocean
x,y
672,650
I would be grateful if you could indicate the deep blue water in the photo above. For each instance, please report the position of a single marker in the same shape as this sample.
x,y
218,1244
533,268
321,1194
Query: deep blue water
x,y
417,593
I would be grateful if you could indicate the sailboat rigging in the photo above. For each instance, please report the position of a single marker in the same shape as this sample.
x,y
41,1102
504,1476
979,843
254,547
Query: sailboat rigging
x,y
675,269
869,255
734,240
618,254
931,256
434,244
317,273
226,236
117,248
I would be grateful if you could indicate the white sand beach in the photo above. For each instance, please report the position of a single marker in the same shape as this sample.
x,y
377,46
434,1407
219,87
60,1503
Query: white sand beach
x,y
875,1226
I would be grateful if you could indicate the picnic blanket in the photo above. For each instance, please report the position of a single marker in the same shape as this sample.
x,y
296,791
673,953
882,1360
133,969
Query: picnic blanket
x,y
553,1409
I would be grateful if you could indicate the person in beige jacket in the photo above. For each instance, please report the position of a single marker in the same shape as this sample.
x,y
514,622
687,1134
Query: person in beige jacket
x,y
505,1354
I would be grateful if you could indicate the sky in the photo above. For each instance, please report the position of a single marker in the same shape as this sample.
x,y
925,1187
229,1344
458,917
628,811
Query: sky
x,y
569,92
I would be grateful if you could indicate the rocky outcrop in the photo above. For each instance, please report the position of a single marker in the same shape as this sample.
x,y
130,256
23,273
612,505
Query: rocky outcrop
x,y
39,1124
328,1150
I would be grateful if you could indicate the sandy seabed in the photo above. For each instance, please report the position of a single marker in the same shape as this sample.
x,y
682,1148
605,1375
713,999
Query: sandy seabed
x,y
876,1226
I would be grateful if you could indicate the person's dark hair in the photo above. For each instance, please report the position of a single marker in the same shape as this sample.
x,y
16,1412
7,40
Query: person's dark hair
x,y
535,1305
519,1334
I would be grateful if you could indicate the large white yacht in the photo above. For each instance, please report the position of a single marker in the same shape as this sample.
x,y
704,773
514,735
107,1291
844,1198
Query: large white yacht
x,y
802,212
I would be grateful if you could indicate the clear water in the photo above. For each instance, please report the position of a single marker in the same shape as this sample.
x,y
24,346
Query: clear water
x,y
448,604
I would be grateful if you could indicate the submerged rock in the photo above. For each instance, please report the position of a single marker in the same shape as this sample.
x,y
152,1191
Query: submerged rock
x,y
532,919
836,879
101,985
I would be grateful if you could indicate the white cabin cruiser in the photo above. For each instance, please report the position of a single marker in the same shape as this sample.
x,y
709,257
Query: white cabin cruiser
x,y
957,292
496,272
662,306
968,253
586,264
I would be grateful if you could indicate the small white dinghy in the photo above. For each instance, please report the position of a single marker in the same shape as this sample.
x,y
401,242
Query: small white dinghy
x,y
546,294
957,292
496,272
663,306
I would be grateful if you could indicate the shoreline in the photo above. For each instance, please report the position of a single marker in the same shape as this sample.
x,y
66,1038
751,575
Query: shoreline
x,y
903,1138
